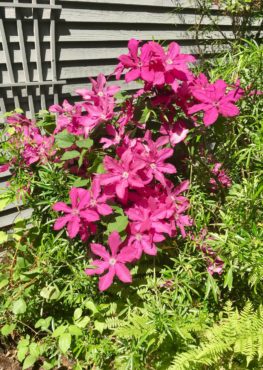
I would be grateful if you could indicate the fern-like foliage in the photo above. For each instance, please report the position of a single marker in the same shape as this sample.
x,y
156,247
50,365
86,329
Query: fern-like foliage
x,y
237,335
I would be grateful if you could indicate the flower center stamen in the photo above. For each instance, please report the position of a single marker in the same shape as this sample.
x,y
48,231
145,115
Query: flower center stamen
x,y
112,261
93,202
125,175
75,212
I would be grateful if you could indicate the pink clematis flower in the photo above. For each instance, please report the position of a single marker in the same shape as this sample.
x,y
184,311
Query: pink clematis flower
x,y
96,115
122,174
75,215
40,148
176,132
117,136
4,167
175,65
131,61
99,90
114,262
97,200
141,242
155,157
221,176
214,101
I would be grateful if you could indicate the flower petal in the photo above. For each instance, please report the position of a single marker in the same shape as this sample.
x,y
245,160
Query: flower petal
x,y
61,206
106,280
73,194
101,266
114,242
123,273
100,250
73,226
61,222
89,215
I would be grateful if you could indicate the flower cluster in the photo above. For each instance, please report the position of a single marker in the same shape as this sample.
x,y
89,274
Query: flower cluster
x,y
97,108
31,144
136,141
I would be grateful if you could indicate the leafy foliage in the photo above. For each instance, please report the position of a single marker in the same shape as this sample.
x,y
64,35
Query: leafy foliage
x,y
176,315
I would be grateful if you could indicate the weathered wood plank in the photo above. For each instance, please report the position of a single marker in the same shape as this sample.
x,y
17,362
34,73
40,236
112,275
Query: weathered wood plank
x,y
82,34
70,88
156,3
91,52
118,16
8,220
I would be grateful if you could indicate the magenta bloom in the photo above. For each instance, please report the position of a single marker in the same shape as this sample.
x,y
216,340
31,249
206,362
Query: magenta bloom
x,y
114,262
97,200
99,90
131,61
122,174
39,148
141,241
77,214
214,101
175,132
154,159
4,167
116,136
221,176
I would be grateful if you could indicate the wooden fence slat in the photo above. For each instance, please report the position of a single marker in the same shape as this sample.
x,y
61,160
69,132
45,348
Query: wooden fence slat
x,y
10,219
38,55
16,4
124,15
91,52
24,59
156,3
8,60
98,35
53,51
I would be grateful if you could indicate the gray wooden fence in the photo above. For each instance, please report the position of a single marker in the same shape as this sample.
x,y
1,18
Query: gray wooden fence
x,y
48,48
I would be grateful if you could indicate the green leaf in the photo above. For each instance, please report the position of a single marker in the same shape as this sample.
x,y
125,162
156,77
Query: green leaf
x,y
119,224
99,326
91,306
43,323
29,361
83,322
22,349
4,200
70,155
34,349
64,139
64,342
50,292
3,237
8,329
74,330
80,183
82,156
19,307
3,283
59,331
77,313
228,282
86,143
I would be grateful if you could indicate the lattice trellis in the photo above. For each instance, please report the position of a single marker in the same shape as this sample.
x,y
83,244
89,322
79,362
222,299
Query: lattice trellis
x,y
11,84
